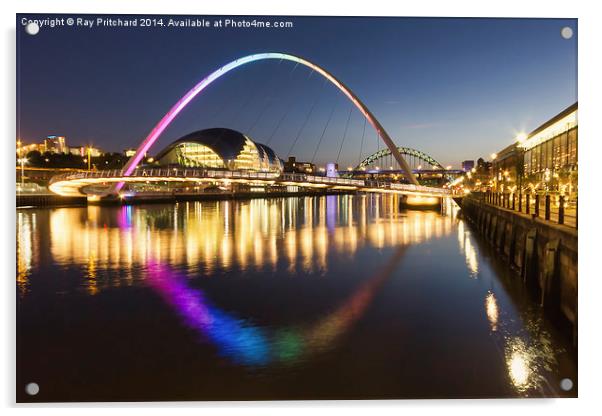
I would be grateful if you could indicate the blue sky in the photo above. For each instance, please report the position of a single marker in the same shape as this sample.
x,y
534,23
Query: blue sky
x,y
454,88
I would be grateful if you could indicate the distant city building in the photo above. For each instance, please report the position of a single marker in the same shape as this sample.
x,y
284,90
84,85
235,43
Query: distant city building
x,y
55,144
467,165
84,150
129,152
220,148
332,170
33,147
293,166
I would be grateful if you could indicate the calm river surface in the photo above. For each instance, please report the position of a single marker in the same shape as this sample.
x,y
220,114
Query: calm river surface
x,y
329,297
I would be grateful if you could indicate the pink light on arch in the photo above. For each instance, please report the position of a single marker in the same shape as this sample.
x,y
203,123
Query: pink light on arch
x,y
182,102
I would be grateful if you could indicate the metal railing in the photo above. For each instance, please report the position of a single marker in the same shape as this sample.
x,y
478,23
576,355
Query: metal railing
x,y
551,207
300,178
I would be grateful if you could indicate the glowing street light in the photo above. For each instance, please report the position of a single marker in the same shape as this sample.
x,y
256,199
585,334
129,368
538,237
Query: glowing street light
x,y
448,167
22,161
521,137
493,156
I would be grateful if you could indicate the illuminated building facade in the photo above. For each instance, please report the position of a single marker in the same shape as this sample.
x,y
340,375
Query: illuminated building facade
x,y
506,168
294,166
55,144
550,153
545,160
220,148
84,150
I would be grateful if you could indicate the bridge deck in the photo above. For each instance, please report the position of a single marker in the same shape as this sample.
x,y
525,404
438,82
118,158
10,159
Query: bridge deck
x,y
73,184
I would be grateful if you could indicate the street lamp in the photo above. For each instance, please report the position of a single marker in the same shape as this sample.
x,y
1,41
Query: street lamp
x,y
521,137
493,156
22,161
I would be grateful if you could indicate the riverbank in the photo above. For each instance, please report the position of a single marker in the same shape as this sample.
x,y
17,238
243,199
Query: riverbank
x,y
43,200
543,254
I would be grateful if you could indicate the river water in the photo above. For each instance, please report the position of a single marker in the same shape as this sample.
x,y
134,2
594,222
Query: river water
x,y
330,297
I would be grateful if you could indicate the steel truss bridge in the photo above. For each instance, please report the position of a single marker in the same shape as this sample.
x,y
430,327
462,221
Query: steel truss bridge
x,y
100,183
416,155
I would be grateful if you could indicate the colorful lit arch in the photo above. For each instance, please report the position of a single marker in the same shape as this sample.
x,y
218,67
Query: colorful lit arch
x,y
182,102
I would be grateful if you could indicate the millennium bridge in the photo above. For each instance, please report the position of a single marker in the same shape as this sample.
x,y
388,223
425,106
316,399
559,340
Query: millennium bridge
x,y
99,183
109,183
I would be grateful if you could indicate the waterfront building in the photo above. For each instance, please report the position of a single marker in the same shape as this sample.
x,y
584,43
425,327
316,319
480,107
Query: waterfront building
x,y
506,168
550,154
220,148
294,166
544,160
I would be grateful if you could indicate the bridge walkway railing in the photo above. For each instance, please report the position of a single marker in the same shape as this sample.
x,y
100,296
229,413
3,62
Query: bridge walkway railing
x,y
300,178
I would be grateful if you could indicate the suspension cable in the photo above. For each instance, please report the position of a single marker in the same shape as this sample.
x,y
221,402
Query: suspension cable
x,y
285,114
269,101
345,132
324,131
359,158
311,110
258,87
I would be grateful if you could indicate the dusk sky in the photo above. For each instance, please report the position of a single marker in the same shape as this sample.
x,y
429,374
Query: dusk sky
x,y
454,88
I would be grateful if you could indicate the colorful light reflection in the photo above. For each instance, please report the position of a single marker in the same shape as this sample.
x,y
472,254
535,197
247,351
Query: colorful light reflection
x,y
247,344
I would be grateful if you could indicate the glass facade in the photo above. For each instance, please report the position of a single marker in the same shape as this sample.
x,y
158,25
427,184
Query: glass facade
x,y
550,155
221,149
195,155
557,154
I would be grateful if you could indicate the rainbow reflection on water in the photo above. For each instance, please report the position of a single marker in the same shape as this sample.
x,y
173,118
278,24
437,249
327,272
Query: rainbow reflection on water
x,y
245,343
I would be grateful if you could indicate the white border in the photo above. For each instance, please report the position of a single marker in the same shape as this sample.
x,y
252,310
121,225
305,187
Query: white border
x,y
590,204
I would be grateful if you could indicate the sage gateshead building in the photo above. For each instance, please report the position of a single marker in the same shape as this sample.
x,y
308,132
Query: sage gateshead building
x,y
219,148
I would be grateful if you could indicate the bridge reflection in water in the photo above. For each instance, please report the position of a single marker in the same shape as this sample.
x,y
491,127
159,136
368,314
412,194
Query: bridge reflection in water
x,y
255,234
167,248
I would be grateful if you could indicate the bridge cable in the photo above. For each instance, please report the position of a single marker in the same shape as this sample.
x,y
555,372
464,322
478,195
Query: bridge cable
x,y
359,159
345,132
313,106
225,103
285,114
258,87
324,132
269,100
